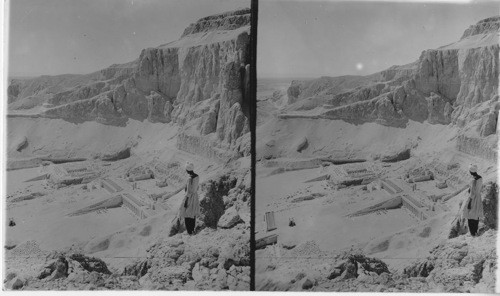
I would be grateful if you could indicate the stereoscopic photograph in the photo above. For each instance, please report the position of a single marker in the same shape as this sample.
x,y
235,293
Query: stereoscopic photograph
x,y
128,145
273,145
376,146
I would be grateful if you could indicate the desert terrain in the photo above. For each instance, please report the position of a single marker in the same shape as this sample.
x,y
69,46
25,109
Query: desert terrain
x,y
360,179
92,159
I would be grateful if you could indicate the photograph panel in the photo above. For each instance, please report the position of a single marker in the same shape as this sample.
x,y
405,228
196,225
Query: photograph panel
x,y
133,172
376,153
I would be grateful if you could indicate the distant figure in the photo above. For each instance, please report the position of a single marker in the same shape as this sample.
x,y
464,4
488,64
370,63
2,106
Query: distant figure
x,y
11,222
472,210
291,222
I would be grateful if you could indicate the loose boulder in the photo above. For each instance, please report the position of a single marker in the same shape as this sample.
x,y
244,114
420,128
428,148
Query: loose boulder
x,y
10,244
234,253
91,263
349,267
289,244
302,144
55,270
15,284
212,204
21,144
307,283
229,219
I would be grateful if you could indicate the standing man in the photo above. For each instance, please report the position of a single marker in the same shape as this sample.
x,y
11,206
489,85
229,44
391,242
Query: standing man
x,y
472,210
190,207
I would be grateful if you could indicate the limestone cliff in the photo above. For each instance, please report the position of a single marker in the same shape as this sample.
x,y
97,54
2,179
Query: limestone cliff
x,y
454,84
197,82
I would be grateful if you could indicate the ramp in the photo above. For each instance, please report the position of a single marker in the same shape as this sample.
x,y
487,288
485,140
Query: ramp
x,y
110,186
390,187
39,178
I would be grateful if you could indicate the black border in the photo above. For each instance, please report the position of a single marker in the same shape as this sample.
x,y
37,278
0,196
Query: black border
x,y
253,121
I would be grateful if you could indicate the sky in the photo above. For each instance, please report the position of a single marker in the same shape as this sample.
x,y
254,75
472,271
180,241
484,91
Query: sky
x,y
68,36
298,39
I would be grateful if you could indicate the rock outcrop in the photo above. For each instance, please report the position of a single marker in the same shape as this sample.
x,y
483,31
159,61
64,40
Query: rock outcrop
x,y
419,269
78,272
229,219
224,21
212,204
490,204
55,270
491,24
461,263
210,260
356,264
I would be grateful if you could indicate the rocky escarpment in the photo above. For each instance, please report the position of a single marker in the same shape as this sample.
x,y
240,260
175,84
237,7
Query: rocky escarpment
x,y
462,264
491,24
226,21
454,84
210,261
442,87
199,82
324,86
212,90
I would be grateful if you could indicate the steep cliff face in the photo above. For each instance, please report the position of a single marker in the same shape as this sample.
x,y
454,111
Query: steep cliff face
x,y
215,72
479,76
437,71
198,82
456,84
157,70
